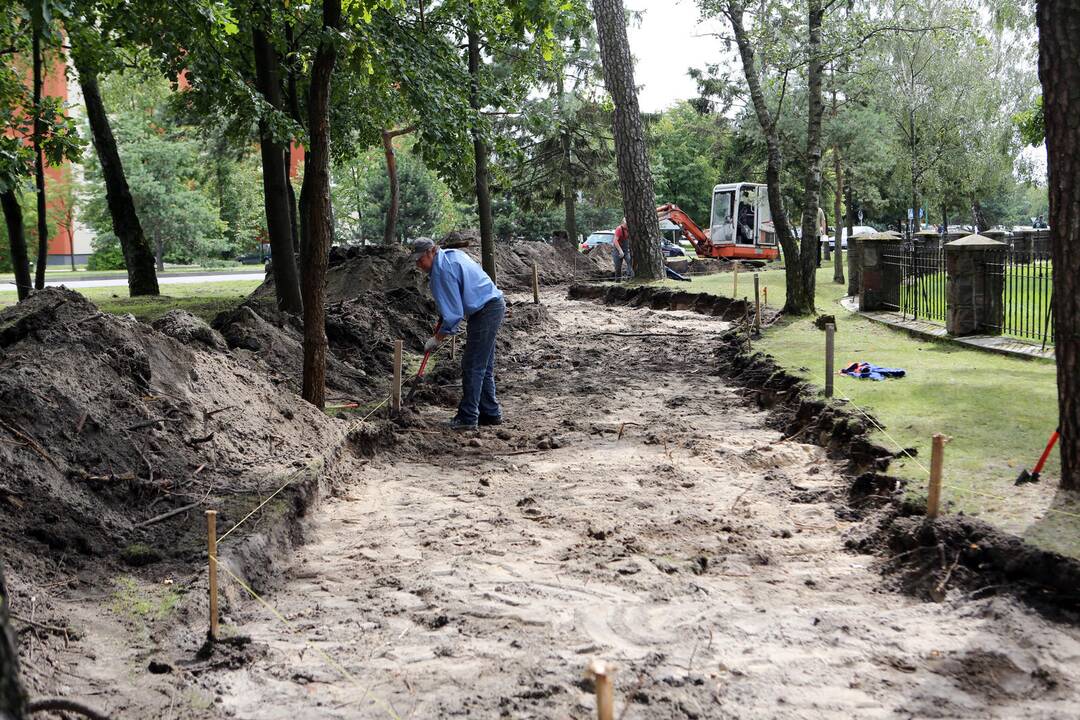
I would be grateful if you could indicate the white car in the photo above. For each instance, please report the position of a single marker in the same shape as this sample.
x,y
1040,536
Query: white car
x,y
856,231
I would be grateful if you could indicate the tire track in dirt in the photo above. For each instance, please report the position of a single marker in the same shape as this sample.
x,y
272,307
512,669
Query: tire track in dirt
x,y
699,552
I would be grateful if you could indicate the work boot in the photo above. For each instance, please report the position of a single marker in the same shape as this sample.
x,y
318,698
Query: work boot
x,y
458,425
491,420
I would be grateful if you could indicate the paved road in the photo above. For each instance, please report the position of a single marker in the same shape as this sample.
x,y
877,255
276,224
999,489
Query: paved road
x,y
163,279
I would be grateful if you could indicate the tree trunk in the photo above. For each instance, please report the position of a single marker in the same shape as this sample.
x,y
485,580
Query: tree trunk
x,y
838,209
480,155
20,262
159,253
978,220
395,185
568,193
302,204
914,222
138,256
391,175
12,694
812,180
39,166
275,174
853,276
294,226
69,227
774,162
632,160
320,229
1059,71
359,203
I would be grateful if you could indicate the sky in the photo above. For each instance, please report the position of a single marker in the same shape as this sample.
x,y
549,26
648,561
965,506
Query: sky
x,y
670,39
665,45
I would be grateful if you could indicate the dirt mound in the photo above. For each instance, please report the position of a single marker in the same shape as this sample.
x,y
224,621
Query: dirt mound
x,y
272,343
602,257
361,330
355,271
107,423
555,264
188,329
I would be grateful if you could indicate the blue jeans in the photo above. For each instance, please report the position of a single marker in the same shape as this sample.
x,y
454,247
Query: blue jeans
x,y
478,364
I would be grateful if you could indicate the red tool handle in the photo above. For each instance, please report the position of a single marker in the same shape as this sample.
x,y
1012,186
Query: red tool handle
x,y
1046,453
423,363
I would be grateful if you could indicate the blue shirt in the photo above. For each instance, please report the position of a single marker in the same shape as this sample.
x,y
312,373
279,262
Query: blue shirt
x,y
460,288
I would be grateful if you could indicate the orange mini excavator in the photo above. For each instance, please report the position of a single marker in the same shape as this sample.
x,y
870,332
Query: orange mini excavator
x,y
741,226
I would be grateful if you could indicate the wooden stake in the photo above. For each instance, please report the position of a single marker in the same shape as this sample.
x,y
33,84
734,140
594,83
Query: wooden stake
x,y
601,672
211,551
735,281
765,292
746,323
395,388
536,285
757,301
830,331
937,460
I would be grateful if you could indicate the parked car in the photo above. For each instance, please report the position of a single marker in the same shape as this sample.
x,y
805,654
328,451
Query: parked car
x,y
255,258
600,237
856,230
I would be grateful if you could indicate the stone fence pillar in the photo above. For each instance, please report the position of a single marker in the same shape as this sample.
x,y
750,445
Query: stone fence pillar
x,y
975,286
879,280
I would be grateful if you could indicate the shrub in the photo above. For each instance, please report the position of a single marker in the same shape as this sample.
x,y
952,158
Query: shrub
x,y
109,257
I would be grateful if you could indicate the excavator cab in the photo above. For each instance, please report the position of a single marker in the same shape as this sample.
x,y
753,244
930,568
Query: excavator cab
x,y
741,225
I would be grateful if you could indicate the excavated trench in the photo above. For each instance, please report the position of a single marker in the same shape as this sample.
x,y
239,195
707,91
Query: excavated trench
x,y
980,555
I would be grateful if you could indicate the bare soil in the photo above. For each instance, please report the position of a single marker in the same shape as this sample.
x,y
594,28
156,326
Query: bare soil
x,y
636,507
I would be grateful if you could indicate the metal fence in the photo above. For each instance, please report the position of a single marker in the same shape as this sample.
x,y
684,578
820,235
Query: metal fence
x,y
919,273
1027,294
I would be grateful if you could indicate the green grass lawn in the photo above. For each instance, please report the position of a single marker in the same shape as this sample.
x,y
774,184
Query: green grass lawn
x,y
205,300
64,272
998,410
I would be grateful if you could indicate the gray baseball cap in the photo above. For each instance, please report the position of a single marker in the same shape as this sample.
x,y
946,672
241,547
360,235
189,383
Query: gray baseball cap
x,y
419,247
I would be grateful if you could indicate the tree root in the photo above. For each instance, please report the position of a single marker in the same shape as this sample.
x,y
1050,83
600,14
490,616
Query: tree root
x,y
63,705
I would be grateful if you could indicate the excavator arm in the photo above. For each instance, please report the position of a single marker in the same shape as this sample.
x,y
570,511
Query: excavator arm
x,y
697,237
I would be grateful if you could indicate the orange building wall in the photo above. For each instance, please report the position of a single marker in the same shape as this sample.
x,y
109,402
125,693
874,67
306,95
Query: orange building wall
x,y
57,178
61,243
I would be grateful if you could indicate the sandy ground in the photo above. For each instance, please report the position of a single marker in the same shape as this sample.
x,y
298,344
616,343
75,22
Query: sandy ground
x,y
699,552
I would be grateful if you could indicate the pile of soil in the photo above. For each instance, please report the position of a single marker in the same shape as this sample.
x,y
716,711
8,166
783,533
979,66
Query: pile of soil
x,y
358,270
375,296
361,330
555,264
106,422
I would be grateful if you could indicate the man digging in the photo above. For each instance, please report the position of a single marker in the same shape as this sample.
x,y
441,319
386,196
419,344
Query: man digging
x,y
463,291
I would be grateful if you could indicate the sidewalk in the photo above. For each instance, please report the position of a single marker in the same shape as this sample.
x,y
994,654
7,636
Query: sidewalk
x,y
922,328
